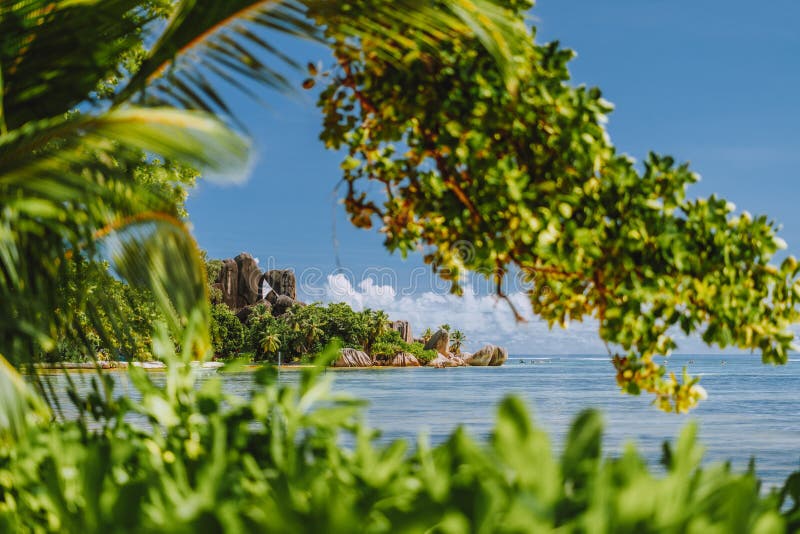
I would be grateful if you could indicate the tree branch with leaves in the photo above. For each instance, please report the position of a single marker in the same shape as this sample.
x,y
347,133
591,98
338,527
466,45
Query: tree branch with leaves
x,y
530,178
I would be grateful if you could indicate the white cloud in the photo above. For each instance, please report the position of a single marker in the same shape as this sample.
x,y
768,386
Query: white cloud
x,y
483,318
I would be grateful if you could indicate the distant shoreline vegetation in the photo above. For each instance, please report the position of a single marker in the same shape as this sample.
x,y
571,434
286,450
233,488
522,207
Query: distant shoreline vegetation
x,y
304,331
256,316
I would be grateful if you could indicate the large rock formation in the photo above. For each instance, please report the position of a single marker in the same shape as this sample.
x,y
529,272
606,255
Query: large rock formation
x,y
404,328
440,342
249,279
282,281
404,359
240,283
353,358
228,282
489,355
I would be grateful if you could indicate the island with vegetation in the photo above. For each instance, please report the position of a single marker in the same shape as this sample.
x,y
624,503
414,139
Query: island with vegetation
x,y
256,315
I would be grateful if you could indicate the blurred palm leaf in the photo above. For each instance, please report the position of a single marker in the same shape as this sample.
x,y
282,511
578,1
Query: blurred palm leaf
x,y
231,40
157,253
55,53
62,180
21,407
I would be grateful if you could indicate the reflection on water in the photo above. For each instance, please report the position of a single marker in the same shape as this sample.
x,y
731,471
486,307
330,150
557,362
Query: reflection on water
x,y
751,409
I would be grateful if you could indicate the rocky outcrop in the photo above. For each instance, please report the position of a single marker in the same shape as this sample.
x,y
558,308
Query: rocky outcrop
x,y
440,342
490,355
228,282
271,297
249,279
282,281
241,285
404,328
282,305
353,358
404,359
446,361
458,360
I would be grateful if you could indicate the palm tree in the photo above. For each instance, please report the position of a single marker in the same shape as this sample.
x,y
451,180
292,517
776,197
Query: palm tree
x,y
445,327
457,339
378,325
66,176
313,333
427,335
270,343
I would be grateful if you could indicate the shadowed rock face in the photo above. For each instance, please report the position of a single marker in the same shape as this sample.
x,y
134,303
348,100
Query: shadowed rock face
x,y
282,305
490,355
404,328
249,278
353,358
228,281
271,297
282,281
245,313
440,342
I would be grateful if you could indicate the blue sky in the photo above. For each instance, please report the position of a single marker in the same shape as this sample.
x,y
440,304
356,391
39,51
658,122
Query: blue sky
x,y
711,82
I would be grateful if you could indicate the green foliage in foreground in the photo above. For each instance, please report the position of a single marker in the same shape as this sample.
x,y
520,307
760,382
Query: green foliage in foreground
x,y
297,459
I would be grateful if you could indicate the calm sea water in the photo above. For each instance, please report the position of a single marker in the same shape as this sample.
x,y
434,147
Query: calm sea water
x,y
752,409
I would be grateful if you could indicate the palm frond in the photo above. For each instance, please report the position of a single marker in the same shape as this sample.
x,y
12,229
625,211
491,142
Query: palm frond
x,y
231,39
61,181
158,254
45,148
20,407
56,53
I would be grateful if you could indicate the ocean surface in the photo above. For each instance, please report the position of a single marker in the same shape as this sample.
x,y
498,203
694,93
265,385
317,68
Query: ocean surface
x,y
753,410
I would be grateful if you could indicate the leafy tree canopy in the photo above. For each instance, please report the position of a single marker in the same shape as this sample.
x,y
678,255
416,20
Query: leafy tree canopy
x,y
529,177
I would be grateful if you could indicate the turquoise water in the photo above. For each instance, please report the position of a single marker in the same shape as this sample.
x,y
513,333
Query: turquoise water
x,y
752,409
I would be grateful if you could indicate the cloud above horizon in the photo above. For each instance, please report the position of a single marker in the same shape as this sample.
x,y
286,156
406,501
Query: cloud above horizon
x,y
483,318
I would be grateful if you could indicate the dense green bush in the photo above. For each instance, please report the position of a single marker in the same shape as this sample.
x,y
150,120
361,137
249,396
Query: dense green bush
x,y
227,332
88,335
387,345
275,463
418,350
390,343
